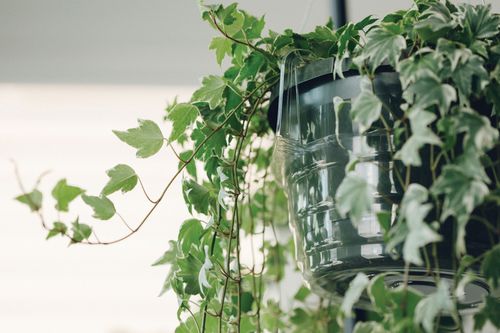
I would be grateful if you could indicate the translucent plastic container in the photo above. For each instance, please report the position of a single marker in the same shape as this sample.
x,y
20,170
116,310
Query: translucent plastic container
x,y
312,151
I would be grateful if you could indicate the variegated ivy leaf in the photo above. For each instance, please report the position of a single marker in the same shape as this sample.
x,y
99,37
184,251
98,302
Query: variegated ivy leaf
x,y
339,106
222,47
417,67
366,107
369,327
356,287
32,199
428,91
434,304
168,258
480,135
480,22
383,43
64,194
102,206
354,197
465,74
147,138
221,198
464,67
419,233
435,21
81,231
181,115
452,52
464,188
205,268
414,211
411,227
421,135
121,177
211,92
58,228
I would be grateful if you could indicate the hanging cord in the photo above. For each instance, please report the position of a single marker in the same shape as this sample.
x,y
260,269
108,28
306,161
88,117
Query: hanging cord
x,y
307,14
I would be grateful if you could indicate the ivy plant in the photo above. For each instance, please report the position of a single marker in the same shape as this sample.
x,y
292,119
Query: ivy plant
x,y
448,60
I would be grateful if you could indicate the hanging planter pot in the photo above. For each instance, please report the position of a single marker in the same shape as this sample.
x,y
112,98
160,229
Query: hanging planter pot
x,y
316,142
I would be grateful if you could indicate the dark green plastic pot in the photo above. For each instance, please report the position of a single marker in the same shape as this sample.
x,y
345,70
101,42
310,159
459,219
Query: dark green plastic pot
x,y
312,150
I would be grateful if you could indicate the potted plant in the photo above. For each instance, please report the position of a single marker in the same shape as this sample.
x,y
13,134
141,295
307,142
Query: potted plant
x,y
387,147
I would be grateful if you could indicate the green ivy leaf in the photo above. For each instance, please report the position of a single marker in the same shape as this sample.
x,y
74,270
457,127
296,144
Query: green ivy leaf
x,y
354,196
272,317
490,266
168,258
432,305
222,47
81,231
189,268
102,206
275,262
182,116
58,228
64,194
212,147
302,294
383,44
211,92
189,234
421,135
384,220
191,166
366,107
198,197
122,177
252,65
489,312
147,138
32,199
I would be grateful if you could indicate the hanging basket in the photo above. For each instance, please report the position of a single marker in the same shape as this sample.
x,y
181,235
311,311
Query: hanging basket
x,y
313,146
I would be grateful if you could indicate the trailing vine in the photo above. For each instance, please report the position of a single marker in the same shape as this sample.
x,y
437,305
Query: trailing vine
x,y
448,60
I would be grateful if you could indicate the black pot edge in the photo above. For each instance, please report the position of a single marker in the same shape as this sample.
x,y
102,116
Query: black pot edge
x,y
314,73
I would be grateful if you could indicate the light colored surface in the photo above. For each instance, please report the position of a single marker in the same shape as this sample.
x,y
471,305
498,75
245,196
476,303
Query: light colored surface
x,y
359,9
123,41
138,42
45,286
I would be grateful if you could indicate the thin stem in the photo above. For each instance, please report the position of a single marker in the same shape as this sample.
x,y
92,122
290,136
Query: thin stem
x,y
144,191
124,222
194,318
248,44
175,153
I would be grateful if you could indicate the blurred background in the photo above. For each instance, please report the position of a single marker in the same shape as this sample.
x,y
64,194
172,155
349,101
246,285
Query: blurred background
x,y
70,72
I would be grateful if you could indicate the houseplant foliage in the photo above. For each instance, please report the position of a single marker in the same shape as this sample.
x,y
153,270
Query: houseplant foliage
x,y
448,59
